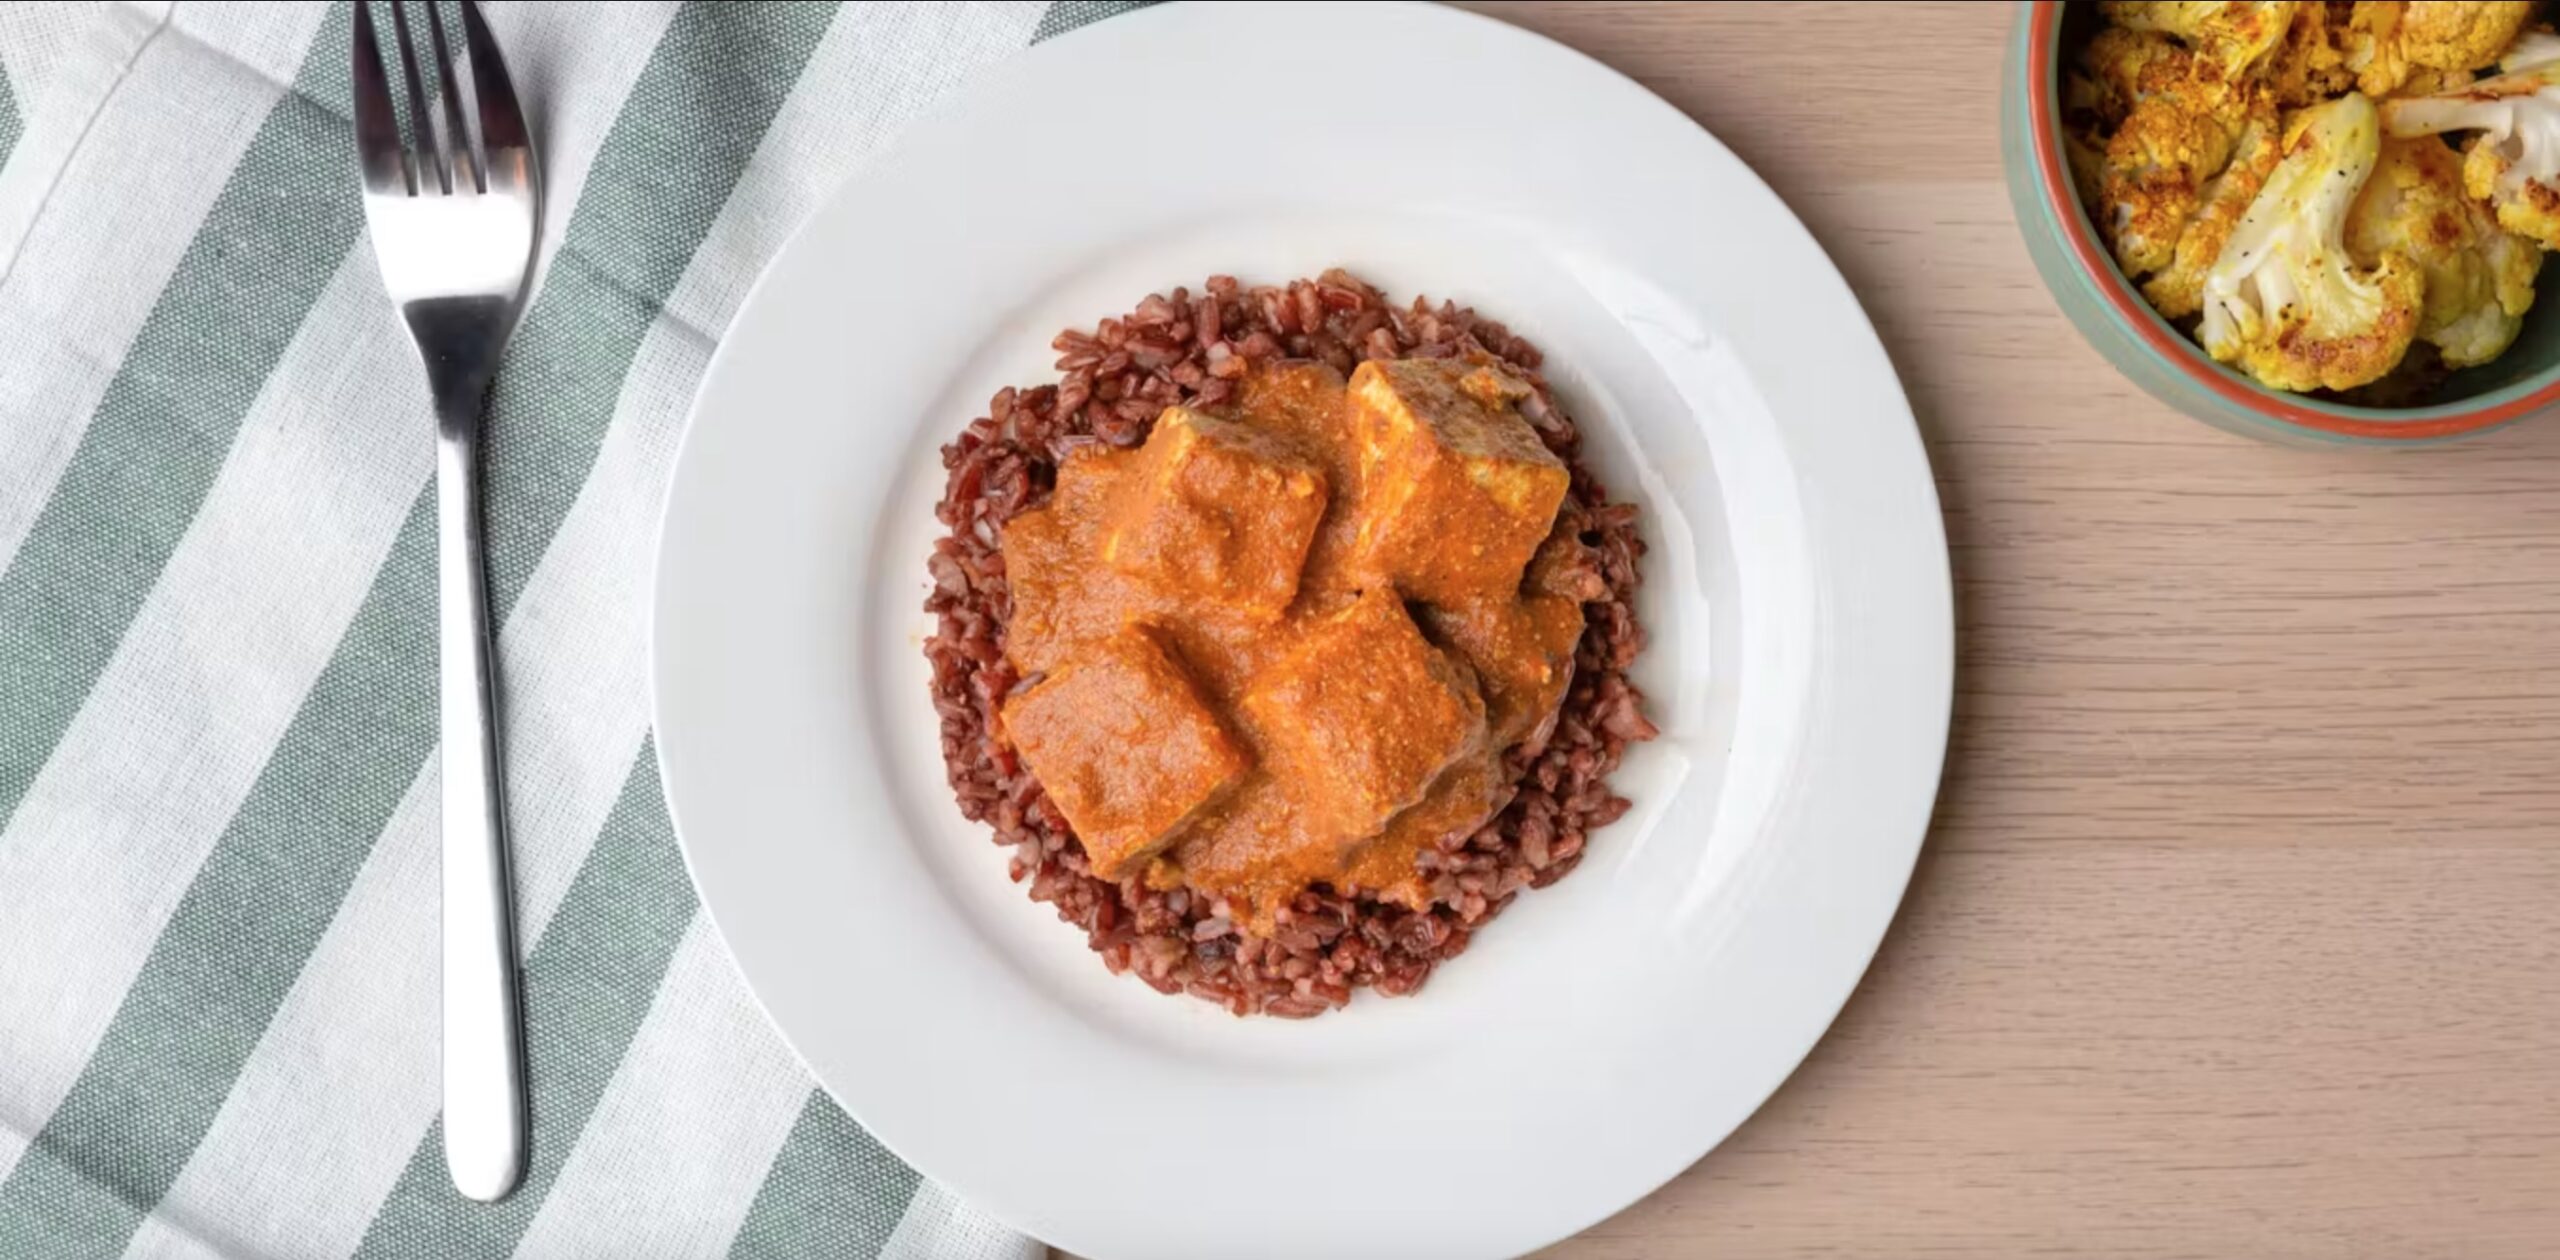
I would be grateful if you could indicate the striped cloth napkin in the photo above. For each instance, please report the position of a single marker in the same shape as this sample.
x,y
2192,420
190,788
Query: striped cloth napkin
x,y
218,871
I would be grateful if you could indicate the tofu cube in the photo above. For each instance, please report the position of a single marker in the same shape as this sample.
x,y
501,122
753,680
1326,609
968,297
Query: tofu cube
x,y
1126,748
1521,648
1217,512
1037,557
1048,563
1456,490
1365,714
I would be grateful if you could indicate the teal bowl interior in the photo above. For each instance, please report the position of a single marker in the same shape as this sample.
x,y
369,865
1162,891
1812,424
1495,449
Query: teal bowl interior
x,y
2466,402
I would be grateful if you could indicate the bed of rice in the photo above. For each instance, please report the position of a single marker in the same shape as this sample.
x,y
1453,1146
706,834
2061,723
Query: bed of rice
x,y
1115,379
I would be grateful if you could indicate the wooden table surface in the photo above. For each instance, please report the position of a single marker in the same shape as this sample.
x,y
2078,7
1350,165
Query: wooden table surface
x,y
2238,932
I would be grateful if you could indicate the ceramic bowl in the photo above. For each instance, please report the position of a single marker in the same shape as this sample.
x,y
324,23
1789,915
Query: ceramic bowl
x,y
2163,361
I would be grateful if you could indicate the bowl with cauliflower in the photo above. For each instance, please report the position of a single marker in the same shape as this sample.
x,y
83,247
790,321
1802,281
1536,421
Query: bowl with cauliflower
x,y
2312,221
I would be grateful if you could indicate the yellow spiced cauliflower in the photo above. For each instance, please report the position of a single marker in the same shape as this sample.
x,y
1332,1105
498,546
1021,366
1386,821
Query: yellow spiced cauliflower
x,y
2513,164
2387,42
2479,280
2284,301
2310,66
2531,49
2234,35
2181,126
2279,178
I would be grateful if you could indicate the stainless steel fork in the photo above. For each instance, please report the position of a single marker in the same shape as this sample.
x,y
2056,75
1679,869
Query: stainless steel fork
x,y
453,218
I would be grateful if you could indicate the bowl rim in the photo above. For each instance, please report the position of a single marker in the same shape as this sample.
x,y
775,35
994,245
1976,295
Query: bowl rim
x,y
2044,124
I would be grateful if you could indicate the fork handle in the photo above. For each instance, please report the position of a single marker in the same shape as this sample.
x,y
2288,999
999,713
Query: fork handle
x,y
484,1089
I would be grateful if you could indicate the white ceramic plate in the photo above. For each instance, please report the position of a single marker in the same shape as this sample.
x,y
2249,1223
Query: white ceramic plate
x,y
1605,1032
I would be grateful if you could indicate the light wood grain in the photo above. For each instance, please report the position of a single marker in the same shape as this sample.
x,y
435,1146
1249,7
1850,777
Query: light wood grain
x,y
2238,932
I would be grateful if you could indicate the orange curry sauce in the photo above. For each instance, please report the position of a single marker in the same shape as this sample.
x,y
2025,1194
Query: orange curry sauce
x,y
1290,644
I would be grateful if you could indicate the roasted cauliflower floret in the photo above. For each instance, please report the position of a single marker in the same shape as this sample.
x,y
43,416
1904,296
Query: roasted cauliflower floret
x,y
2123,67
2181,126
2514,163
2387,42
2233,35
2177,290
2460,34
2153,181
2284,301
2531,49
2479,279
2309,65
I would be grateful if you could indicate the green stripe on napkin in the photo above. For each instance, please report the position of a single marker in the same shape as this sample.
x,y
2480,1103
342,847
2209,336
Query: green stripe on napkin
x,y
11,124
284,220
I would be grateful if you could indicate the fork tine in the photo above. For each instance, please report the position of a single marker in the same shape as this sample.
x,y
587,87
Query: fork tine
x,y
466,168
386,168
508,146
421,124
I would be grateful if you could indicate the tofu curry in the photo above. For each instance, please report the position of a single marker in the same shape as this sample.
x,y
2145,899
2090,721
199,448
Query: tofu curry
x,y
1290,644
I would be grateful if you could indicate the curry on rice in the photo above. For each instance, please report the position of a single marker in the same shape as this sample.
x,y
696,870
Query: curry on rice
x,y
1284,664
1233,692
